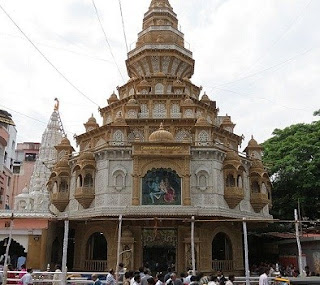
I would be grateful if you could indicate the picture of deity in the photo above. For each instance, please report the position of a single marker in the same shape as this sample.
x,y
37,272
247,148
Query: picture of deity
x,y
161,187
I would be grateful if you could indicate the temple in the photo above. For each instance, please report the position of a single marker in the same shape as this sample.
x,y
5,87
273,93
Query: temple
x,y
161,156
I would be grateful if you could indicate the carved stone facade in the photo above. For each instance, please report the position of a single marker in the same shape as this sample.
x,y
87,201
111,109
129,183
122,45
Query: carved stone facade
x,y
159,177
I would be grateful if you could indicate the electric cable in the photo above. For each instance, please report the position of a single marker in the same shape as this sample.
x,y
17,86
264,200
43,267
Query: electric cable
x,y
106,38
52,65
123,28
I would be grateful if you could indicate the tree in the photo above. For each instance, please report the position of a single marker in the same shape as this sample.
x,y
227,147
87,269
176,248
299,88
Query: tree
x,y
292,157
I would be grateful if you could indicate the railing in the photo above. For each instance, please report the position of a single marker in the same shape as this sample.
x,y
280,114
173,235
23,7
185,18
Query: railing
x,y
222,265
79,278
95,265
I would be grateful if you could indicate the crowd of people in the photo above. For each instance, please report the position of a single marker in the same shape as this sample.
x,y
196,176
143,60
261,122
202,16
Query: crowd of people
x,y
144,277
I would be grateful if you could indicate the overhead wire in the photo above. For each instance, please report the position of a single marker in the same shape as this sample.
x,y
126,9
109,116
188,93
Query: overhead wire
x,y
59,48
27,116
263,70
123,28
42,54
106,38
277,40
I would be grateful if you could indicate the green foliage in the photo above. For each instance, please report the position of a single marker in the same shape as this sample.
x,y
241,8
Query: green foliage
x,y
292,157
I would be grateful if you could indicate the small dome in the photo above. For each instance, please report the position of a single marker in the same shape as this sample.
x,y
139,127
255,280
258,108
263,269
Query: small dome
x,y
227,120
92,119
161,135
113,98
188,102
202,122
132,102
64,142
205,98
253,143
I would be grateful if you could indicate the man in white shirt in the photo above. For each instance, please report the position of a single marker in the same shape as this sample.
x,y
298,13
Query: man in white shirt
x,y
27,278
110,278
263,278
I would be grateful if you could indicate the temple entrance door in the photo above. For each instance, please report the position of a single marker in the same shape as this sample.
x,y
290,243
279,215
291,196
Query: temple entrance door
x,y
159,258
159,249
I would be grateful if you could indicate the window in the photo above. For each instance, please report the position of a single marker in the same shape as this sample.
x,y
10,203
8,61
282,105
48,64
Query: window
x,y
88,180
255,187
230,181
30,157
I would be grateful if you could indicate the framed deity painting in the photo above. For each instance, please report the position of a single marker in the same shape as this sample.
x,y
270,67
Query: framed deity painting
x,y
161,187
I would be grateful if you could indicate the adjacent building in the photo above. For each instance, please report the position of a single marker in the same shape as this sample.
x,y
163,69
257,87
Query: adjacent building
x,y
8,134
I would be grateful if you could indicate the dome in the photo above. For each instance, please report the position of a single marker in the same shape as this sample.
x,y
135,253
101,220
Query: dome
x,y
253,143
188,101
227,121
205,97
161,135
92,120
113,98
65,142
202,122
132,102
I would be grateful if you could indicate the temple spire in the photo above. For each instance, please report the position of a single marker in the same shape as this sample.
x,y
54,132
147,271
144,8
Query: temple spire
x,y
159,3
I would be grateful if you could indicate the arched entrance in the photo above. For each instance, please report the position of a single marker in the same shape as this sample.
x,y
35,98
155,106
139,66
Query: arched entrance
x,y
159,249
96,252
222,258
15,251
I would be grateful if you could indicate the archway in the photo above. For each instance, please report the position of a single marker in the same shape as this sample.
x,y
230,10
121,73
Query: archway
x,y
15,250
96,252
222,258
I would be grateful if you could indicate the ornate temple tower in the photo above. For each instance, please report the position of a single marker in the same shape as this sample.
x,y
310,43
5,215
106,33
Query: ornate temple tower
x,y
35,197
161,156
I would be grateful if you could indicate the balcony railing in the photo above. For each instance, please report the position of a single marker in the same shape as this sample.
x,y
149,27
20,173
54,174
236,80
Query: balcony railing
x,y
222,265
95,265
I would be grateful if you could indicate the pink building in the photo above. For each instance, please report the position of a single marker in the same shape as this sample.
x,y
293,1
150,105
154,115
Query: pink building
x,y
23,166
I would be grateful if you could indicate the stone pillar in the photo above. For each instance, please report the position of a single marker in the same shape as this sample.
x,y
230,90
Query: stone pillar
x,y
135,190
186,190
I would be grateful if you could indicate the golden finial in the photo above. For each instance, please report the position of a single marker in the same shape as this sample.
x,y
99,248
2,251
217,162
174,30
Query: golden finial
x,y
56,105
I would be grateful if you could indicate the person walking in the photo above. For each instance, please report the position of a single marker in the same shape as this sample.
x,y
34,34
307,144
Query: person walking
x,y
95,279
263,278
27,278
230,281
110,278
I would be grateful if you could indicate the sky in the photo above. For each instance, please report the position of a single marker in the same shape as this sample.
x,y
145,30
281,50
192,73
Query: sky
x,y
258,59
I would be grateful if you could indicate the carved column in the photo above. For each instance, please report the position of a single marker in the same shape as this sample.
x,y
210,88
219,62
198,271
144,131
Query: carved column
x,y
187,252
135,190
186,190
127,249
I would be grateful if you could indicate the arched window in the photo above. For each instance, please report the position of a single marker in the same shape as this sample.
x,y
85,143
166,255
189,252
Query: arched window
x,y
88,180
221,247
263,188
119,180
230,181
96,247
56,252
202,181
239,181
118,137
79,180
203,138
64,187
255,187
159,89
